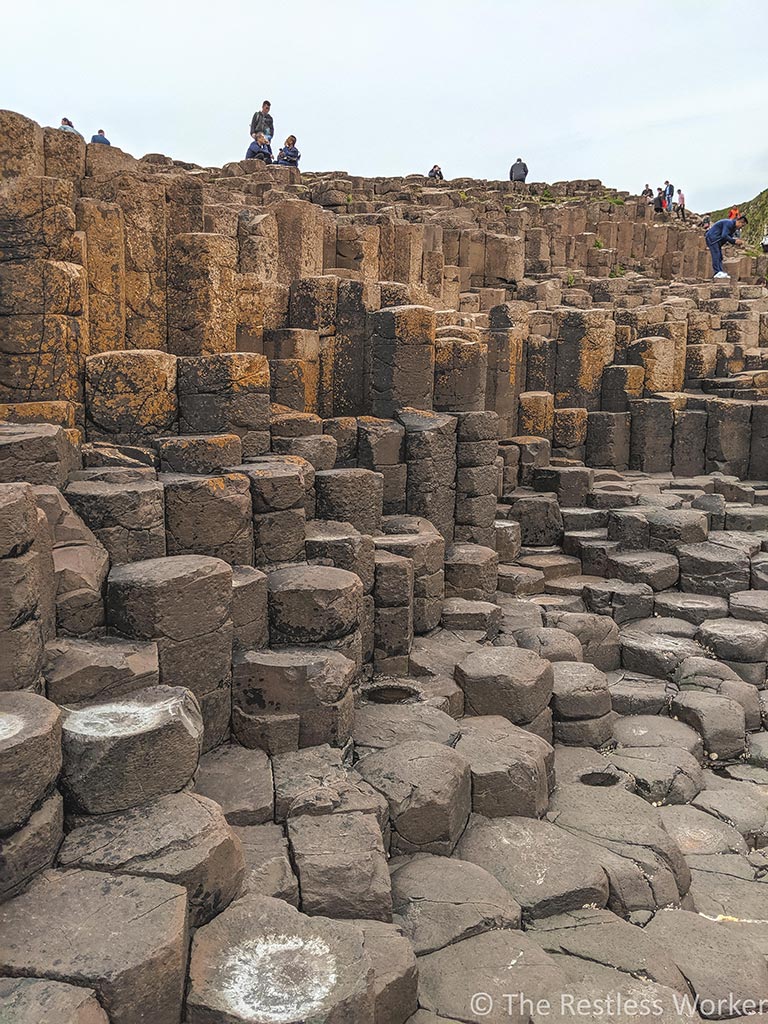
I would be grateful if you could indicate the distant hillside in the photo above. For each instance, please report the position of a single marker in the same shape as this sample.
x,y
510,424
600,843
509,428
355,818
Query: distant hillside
x,y
757,211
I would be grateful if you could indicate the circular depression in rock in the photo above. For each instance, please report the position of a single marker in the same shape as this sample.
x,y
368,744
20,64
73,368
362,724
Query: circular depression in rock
x,y
599,779
118,719
395,694
10,726
279,978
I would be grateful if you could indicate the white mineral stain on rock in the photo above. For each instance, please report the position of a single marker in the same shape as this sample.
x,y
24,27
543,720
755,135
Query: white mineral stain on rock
x,y
10,725
123,718
278,979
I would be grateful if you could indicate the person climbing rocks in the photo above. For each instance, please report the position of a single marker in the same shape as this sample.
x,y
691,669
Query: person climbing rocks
x,y
289,156
262,122
519,170
259,149
723,232
436,173
101,137
680,211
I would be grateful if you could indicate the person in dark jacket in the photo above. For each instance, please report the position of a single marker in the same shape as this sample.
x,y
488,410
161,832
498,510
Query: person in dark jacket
x,y
262,122
436,173
647,193
723,232
101,137
259,149
669,195
519,170
289,156
658,201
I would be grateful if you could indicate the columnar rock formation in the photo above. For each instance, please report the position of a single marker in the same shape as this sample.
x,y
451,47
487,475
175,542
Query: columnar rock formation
x,y
381,623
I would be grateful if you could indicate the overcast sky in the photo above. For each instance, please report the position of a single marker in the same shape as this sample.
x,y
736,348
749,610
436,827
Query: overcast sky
x,y
627,91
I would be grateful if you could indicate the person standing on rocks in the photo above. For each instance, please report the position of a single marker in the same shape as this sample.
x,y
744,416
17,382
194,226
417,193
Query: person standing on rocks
x,y
723,232
669,195
101,137
519,170
262,122
680,211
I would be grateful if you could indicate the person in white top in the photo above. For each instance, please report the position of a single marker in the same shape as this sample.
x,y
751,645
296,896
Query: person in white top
x,y
680,211
67,126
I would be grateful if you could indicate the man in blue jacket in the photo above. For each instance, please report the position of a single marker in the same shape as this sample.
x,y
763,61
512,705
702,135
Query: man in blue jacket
x,y
723,232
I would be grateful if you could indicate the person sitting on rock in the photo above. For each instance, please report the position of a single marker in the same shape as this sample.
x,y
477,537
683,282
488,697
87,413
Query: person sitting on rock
x,y
262,122
289,156
647,193
67,126
658,201
101,137
519,170
259,149
723,232
436,173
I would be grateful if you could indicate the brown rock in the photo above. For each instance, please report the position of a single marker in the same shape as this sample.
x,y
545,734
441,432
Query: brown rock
x,y
509,777
310,684
505,681
313,603
269,871
130,395
124,937
395,974
438,901
80,671
124,752
30,754
240,781
261,960
182,838
27,1000
427,786
341,865
32,847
